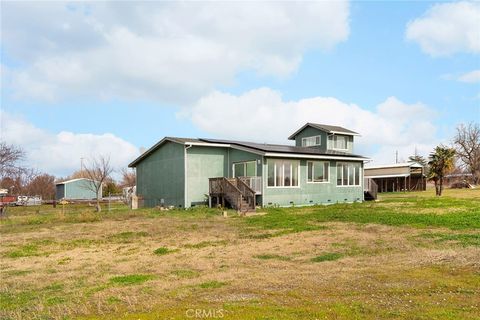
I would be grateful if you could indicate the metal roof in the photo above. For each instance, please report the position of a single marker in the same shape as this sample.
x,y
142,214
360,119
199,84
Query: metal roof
x,y
259,148
280,148
72,180
395,165
327,128
400,175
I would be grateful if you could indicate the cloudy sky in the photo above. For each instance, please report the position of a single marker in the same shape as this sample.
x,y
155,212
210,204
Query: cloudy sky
x,y
81,79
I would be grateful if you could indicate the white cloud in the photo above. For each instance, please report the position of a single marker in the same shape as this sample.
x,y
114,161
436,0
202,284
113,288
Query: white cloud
x,y
470,77
60,153
447,28
164,50
262,115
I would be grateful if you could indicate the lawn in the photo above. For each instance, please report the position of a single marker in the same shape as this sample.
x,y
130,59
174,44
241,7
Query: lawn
x,y
409,255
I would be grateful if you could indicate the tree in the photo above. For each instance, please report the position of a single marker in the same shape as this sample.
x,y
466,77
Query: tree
x,y
128,178
418,159
441,160
10,158
467,145
42,185
111,188
99,170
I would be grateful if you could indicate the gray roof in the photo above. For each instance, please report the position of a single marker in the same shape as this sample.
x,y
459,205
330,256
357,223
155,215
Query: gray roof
x,y
281,148
253,146
325,127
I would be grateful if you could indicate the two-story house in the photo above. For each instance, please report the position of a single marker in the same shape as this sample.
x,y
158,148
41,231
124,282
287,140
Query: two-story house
x,y
319,169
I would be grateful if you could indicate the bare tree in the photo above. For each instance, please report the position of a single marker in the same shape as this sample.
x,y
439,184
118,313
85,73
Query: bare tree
x,y
42,185
128,178
467,145
98,170
10,158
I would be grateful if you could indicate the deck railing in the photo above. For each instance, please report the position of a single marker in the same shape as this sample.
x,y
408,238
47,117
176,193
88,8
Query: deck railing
x,y
371,187
235,191
255,183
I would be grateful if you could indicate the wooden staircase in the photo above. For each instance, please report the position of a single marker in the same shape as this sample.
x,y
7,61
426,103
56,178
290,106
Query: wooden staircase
x,y
234,191
370,189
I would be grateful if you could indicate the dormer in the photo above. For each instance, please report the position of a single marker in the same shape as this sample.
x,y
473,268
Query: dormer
x,y
324,137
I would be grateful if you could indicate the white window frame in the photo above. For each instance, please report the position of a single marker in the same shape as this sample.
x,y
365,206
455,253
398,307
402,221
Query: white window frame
x,y
283,173
314,138
348,173
333,142
244,167
313,171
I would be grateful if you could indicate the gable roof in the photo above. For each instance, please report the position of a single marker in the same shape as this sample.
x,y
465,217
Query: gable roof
x,y
395,165
326,128
73,180
281,148
263,149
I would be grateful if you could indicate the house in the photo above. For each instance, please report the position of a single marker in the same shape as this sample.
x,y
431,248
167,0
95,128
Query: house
x,y
76,189
320,168
408,176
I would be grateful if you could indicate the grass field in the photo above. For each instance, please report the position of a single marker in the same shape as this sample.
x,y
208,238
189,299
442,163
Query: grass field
x,y
410,255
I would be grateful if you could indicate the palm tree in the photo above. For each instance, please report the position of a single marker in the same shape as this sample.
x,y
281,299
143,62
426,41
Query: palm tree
x,y
441,160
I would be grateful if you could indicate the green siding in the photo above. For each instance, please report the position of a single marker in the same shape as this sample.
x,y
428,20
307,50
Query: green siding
x,y
311,193
161,176
76,190
310,132
235,156
326,142
203,163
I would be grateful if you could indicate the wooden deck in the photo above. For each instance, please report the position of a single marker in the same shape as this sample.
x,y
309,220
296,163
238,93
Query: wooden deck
x,y
234,191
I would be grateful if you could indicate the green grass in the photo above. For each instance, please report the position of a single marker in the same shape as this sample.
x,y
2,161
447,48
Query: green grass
x,y
185,273
29,250
204,244
131,279
466,214
272,257
128,236
163,251
463,239
211,284
329,256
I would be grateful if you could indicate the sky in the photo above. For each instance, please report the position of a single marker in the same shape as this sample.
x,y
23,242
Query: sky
x,y
82,79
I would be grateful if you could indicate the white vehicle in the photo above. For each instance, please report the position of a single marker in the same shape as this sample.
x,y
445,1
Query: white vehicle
x,y
29,201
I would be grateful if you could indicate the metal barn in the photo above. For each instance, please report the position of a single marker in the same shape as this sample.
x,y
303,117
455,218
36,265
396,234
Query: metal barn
x,y
76,189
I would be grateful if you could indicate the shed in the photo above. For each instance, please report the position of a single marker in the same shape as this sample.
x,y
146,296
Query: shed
x,y
408,176
76,189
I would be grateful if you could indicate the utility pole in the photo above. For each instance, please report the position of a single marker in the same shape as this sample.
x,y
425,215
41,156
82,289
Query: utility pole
x,y
81,164
396,156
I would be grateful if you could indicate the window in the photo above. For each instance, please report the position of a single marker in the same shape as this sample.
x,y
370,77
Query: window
x,y
282,173
311,141
245,169
318,171
348,174
340,142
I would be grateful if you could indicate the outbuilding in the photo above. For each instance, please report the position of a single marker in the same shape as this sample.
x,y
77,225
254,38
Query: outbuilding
x,y
408,176
76,189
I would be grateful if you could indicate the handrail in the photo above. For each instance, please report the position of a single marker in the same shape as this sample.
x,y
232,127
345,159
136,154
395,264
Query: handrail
x,y
234,190
247,192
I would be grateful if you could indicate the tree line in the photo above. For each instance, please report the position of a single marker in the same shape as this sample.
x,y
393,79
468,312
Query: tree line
x,y
463,156
19,179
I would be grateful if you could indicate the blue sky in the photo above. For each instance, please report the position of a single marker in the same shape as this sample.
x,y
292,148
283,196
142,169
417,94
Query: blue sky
x,y
116,77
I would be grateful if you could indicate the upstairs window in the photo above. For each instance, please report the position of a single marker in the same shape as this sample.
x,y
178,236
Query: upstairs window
x,y
312,141
340,142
